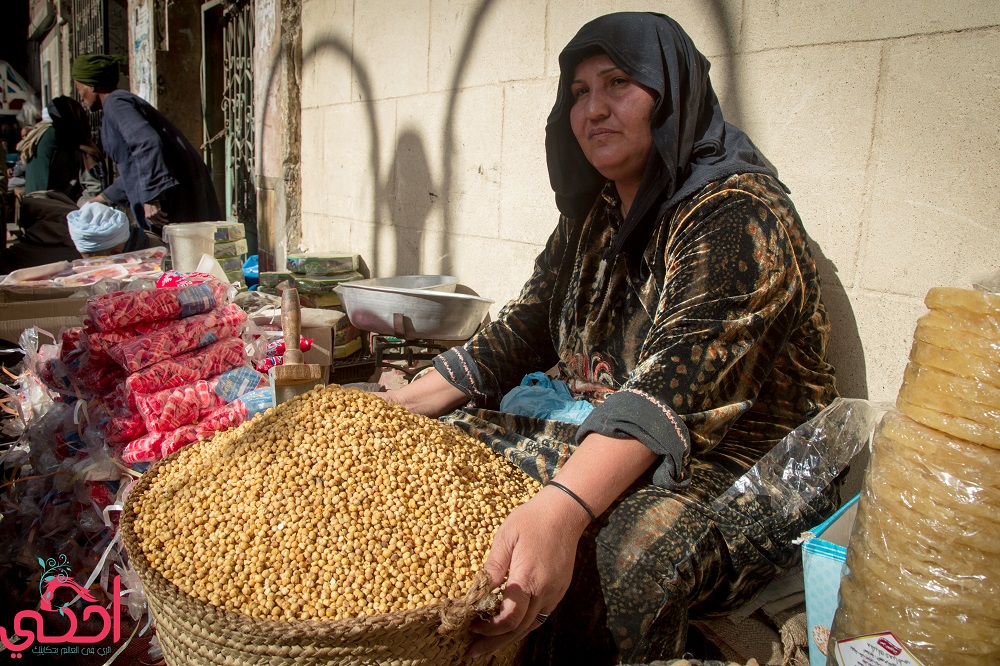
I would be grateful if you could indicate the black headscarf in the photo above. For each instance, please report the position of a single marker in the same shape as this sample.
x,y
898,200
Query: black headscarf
x,y
693,144
71,121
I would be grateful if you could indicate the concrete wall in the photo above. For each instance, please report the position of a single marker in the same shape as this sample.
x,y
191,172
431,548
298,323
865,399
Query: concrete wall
x,y
422,141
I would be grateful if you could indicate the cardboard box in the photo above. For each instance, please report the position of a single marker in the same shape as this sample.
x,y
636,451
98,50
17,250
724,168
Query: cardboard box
x,y
824,552
49,315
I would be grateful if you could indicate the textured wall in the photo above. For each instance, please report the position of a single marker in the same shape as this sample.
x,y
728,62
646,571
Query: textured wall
x,y
422,141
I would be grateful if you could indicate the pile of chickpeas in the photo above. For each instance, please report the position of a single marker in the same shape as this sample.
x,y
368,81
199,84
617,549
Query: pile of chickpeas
x,y
336,504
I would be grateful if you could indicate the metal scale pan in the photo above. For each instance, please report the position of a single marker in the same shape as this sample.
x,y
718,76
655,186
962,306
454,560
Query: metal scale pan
x,y
413,307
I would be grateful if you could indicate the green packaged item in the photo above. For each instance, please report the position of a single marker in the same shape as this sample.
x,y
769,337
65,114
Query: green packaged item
x,y
316,284
231,265
231,248
268,280
225,233
321,301
322,263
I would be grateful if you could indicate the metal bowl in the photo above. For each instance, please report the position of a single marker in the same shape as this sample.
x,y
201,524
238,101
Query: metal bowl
x,y
435,282
413,314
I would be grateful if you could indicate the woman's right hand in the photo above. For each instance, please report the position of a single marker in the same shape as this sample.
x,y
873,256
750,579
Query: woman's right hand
x,y
430,395
533,553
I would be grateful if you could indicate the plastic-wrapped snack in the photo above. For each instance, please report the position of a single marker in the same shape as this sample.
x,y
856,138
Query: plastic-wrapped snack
x,y
123,427
324,284
149,255
155,446
231,265
276,347
170,409
236,248
125,308
326,300
214,359
99,375
924,556
93,276
72,345
956,363
99,343
322,263
959,406
229,232
177,337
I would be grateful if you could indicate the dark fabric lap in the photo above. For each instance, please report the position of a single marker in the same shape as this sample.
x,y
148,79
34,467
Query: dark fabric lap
x,y
657,557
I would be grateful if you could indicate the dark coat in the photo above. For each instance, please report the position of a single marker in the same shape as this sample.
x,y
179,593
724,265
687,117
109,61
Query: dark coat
x,y
155,161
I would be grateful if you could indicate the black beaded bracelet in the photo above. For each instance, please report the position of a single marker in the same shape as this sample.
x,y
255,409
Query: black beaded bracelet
x,y
574,496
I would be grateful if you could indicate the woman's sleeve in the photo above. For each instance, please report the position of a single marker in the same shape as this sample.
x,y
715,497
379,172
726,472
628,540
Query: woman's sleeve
x,y
145,148
731,299
518,342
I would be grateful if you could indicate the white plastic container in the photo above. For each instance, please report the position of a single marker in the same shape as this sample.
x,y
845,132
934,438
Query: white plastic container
x,y
188,241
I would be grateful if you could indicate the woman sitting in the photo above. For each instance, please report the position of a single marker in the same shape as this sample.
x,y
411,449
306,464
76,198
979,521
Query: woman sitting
x,y
677,294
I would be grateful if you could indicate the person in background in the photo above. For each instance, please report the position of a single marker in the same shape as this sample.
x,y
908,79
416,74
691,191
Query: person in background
x,y
60,154
677,295
44,236
99,230
161,176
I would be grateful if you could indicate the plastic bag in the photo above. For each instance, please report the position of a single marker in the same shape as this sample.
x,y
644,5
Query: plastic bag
x,y
170,409
322,263
203,363
125,308
170,339
807,460
155,446
544,398
229,232
923,563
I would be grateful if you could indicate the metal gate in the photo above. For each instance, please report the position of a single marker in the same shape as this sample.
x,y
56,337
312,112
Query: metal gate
x,y
238,39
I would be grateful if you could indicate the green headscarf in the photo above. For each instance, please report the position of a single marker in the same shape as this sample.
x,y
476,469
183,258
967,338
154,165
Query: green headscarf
x,y
97,70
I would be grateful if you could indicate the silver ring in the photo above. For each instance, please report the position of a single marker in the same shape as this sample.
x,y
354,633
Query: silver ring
x,y
542,617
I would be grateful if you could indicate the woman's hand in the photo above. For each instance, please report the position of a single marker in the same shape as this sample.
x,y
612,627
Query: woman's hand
x,y
534,551
430,395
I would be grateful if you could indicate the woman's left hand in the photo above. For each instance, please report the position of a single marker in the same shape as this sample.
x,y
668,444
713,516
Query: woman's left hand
x,y
534,551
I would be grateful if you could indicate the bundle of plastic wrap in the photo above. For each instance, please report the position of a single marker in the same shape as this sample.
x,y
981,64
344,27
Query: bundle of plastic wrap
x,y
124,308
157,445
178,337
172,408
924,556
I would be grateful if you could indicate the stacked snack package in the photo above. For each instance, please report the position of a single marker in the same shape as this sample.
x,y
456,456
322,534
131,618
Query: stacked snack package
x,y
923,585
168,364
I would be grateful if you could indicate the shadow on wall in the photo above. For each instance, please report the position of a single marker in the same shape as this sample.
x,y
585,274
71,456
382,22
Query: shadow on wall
x,y
408,194
845,351
408,190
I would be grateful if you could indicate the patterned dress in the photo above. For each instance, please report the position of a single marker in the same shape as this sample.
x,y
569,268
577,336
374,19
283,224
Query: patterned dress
x,y
706,341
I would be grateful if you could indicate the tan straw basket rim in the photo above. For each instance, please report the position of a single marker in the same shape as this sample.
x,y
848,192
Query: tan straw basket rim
x,y
452,618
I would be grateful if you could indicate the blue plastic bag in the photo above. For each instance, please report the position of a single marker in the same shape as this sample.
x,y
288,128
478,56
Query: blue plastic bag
x,y
543,398
251,271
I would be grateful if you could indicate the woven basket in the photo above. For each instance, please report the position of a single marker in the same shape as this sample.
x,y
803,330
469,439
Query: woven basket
x,y
196,633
